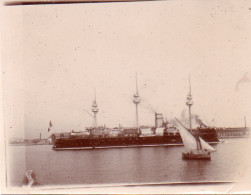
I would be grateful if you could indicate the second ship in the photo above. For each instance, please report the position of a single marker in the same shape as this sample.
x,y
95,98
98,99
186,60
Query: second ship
x,y
162,134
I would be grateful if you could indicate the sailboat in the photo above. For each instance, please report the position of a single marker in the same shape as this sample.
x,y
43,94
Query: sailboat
x,y
195,146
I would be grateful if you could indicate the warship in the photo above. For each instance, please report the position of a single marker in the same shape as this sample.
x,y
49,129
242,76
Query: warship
x,y
163,133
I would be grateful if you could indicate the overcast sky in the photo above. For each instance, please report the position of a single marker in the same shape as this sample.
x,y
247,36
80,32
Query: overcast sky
x,y
55,55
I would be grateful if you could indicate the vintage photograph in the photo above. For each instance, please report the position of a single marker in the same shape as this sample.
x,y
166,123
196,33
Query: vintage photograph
x,y
126,97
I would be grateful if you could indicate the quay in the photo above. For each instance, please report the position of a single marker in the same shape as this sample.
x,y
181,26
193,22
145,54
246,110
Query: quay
x,y
233,132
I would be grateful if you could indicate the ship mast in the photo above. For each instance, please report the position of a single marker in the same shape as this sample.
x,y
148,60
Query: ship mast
x,y
136,101
189,103
95,109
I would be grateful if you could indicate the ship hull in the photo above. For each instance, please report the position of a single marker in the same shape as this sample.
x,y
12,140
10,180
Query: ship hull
x,y
119,142
107,147
200,156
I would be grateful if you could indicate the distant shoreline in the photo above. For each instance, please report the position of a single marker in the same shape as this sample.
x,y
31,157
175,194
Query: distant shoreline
x,y
29,144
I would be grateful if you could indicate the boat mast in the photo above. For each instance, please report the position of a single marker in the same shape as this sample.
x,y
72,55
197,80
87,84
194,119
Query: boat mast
x,y
95,109
189,104
136,101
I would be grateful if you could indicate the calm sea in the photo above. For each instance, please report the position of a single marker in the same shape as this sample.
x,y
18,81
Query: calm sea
x,y
125,165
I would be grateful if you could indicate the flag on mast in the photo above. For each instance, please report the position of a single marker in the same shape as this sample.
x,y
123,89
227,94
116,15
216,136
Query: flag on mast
x,y
50,125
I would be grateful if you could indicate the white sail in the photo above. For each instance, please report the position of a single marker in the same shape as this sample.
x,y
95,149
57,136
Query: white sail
x,y
206,146
188,139
190,142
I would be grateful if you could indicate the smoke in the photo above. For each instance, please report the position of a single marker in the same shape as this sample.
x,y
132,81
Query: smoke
x,y
148,106
183,114
184,118
198,120
173,121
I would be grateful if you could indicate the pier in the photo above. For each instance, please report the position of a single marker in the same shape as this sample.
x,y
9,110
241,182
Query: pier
x,y
233,132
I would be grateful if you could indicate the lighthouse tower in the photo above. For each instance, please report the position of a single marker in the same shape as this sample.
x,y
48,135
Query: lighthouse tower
x,y
136,101
189,103
95,109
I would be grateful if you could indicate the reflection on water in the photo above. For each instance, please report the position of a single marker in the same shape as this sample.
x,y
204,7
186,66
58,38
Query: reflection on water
x,y
195,169
125,165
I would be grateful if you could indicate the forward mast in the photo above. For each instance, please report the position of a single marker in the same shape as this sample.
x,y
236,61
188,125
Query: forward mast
x,y
95,109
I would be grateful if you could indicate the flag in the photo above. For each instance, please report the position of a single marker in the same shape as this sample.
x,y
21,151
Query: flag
x,y
50,125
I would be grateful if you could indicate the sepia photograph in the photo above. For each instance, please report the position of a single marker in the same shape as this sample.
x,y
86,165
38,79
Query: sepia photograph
x,y
143,97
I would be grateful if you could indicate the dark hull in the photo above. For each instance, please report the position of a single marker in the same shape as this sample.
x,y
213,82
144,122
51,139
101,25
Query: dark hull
x,y
118,142
191,156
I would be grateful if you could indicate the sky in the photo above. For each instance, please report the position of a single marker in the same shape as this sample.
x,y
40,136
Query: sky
x,y
54,56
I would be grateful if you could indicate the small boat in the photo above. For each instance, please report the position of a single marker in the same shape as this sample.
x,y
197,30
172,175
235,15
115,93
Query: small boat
x,y
195,146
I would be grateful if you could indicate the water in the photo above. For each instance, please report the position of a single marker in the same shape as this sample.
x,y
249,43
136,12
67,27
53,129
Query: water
x,y
125,165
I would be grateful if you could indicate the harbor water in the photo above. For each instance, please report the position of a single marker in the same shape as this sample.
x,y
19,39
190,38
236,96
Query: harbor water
x,y
126,165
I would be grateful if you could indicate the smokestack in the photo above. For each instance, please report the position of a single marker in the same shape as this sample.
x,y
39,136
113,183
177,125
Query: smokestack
x,y
158,120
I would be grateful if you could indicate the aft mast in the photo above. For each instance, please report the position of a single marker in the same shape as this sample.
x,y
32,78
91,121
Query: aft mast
x,y
95,109
189,104
136,101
